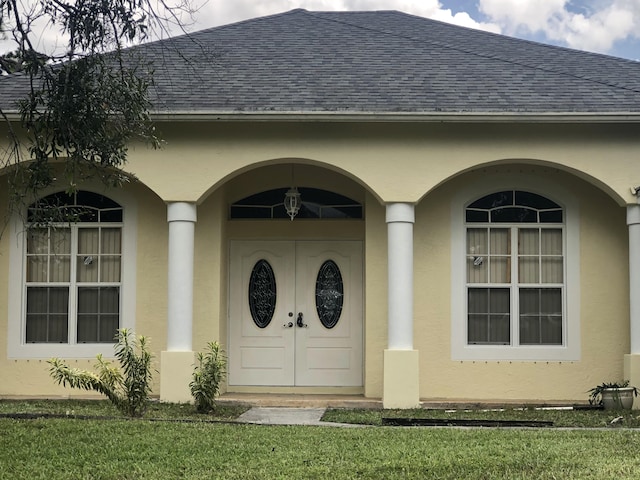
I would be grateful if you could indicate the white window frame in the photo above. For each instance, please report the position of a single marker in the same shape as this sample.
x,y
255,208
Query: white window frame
x,y
17,348
570,350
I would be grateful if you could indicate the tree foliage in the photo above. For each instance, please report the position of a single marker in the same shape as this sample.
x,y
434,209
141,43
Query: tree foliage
x,y
127,387
84,102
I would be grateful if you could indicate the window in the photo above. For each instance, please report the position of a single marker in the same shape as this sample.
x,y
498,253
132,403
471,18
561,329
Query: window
x,y
515,272
316,203
72,261
73,270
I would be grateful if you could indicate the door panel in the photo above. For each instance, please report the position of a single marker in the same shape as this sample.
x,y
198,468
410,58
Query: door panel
x,y
308,355
329,356
260,356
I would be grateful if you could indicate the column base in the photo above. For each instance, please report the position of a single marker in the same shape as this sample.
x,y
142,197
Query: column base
x,y
176,369
401,387
632,373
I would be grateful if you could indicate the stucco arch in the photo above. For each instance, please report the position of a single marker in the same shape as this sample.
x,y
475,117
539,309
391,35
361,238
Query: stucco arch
x,y
285,172
618,191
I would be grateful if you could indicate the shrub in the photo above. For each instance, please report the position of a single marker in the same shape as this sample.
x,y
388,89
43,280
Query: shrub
x,y
127,387
207,376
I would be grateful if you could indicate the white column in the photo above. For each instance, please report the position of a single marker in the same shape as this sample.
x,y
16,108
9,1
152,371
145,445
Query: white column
x,y
182,218
633,221
400,220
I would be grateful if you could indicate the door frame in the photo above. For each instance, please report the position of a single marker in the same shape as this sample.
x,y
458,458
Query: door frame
x,y
358,342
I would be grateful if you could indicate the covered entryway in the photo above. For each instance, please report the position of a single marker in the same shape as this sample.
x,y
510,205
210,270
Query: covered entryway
x,y
295,313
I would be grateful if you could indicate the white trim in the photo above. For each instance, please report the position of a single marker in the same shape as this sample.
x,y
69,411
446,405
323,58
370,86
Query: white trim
x,y
16,346
570,351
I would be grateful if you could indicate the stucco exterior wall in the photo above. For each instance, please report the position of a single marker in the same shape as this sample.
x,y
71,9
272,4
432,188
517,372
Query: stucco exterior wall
x,y
426,164
604,304
25,377
430,154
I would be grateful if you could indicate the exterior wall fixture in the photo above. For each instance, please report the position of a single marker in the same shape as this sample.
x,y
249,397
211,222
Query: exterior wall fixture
x,y
292,199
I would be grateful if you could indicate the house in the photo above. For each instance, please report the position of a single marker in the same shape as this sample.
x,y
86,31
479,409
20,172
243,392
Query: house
x,y
469,226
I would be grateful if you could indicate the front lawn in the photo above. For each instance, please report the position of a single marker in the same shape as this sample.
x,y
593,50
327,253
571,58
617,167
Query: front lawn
x,y
104,408
122,449
559,417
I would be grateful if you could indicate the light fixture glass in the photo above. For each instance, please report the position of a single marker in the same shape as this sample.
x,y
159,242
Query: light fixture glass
x,y
292,201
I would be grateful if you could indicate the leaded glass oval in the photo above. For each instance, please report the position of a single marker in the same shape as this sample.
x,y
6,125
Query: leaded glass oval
x,y
262,293
329,294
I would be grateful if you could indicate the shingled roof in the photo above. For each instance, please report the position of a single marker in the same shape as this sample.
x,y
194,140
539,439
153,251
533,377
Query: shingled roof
x,y
377,63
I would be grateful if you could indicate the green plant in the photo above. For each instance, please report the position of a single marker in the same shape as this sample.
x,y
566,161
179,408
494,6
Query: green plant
x,y
127,387
207,376
595,394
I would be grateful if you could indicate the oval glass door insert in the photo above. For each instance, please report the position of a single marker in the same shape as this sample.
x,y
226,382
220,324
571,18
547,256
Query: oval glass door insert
x,y
262,293
329,294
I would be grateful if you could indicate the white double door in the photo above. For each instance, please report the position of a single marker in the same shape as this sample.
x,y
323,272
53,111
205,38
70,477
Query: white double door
x,y
288,344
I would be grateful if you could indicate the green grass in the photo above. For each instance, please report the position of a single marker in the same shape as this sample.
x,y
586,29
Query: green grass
x,y
118,448
122,449
560,418
104,408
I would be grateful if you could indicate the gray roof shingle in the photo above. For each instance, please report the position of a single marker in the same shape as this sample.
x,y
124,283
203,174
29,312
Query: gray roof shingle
x,y
381,62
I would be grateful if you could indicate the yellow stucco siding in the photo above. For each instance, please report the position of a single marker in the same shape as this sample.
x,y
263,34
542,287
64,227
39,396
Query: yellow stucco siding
x,y
214,165
604,304
371,154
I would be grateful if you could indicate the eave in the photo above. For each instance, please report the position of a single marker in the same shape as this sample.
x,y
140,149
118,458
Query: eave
x,y
393,117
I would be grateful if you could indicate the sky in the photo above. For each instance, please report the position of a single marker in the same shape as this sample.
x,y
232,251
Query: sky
x,y
611,27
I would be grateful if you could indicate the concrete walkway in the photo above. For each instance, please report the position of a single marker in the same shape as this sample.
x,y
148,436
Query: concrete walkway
x,y
288,416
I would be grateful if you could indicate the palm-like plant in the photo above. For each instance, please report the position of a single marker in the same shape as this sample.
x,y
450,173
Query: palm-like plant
x,y
127,387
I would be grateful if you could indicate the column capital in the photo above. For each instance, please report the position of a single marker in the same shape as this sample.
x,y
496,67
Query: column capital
x,y
181,212
400,213
633,214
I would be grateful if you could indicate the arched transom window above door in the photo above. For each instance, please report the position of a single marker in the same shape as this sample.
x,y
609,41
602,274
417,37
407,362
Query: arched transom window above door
x,y
316,204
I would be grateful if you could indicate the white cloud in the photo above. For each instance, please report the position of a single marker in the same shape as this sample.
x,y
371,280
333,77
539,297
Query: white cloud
x,y
218,12
596,25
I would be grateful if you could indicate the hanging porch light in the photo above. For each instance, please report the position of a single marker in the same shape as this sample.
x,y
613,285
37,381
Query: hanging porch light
x,y
292,202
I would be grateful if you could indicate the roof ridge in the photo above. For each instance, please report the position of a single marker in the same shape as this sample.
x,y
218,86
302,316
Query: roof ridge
x,y
319,16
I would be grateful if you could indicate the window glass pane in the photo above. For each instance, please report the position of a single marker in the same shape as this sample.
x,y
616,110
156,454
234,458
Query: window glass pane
x,y
528,241
38,241
61,241
110,268
499,331
551,241
552,216
552,269
37,268
110,240
540,316
88,241
477,216
98,314
500,241
534,200
489,316
47,309
500,264
514,215
316,203
477,255
87,268
494,200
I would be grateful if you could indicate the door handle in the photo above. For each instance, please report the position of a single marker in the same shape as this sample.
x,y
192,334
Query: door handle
x,y
299,321
288,325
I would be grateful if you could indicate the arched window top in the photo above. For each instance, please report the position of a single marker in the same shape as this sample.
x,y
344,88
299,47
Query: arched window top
x,y
514,206
316,203
82,206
